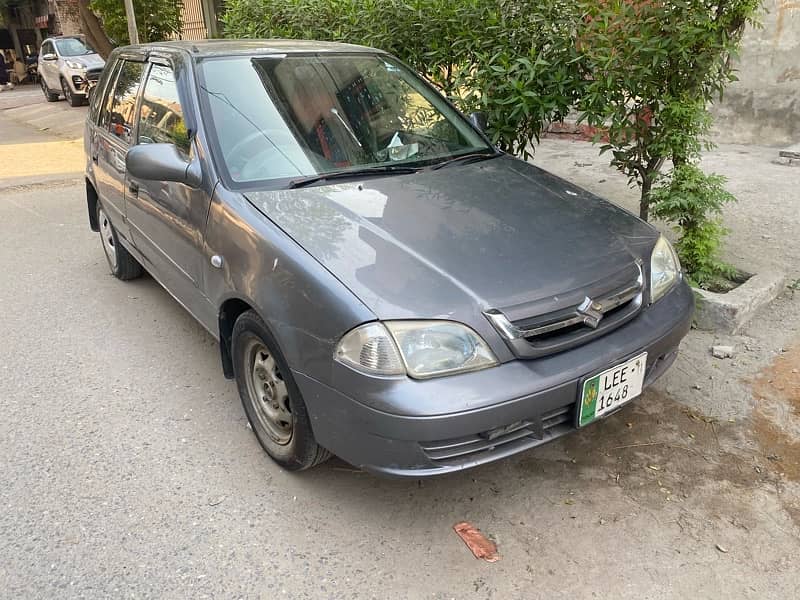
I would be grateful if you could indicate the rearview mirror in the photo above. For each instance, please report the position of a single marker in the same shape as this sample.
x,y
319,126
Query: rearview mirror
x,y
478,120
49,56
162,162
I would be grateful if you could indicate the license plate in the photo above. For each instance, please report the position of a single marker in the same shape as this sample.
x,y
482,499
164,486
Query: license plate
x,y
607,391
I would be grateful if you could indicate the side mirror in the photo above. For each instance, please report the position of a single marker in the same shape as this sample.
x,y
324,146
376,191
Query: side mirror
x,y
162,162
49,56
478,120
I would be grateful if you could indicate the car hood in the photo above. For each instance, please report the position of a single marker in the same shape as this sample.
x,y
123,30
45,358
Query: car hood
x,y
90,61
452,242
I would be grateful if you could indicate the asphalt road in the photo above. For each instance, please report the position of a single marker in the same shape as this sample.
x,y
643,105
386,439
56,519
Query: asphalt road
x,y
27,103
127,469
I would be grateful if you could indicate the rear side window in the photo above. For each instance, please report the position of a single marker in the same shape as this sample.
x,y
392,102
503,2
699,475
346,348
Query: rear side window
x,y
102,92
123,102
161,119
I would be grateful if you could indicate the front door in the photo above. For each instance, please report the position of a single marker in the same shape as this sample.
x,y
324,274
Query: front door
x,y
48,69
112,138
167,219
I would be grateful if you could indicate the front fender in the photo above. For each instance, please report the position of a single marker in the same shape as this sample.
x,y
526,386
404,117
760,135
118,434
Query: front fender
x,y
305,307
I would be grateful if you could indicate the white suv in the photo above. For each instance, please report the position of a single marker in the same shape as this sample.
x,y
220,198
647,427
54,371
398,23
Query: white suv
x,y
68,66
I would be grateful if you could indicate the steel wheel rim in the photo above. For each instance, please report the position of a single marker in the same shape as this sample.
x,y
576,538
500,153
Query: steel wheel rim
x,y
268,393
107,235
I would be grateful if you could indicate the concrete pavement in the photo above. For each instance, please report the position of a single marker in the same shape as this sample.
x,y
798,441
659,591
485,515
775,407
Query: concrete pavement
x,y
39,141
26,104
127,469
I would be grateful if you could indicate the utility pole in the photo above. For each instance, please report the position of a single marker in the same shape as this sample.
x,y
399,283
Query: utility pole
x,y
133,33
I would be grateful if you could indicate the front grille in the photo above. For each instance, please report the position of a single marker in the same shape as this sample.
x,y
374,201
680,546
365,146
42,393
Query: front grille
x,y
510,439
552,331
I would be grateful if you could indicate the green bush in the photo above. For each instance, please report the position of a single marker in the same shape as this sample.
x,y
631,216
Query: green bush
x,y
693,202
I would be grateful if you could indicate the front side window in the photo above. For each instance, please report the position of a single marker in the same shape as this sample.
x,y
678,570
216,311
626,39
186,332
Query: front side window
x,y
73,47
47,48
289,116
123,102
161,115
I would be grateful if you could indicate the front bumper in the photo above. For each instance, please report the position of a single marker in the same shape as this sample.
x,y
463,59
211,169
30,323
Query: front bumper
x,y
79,79
403,427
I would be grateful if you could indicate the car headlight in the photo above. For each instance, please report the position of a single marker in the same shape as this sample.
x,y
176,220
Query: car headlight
x,y
665,269
74,65
420,349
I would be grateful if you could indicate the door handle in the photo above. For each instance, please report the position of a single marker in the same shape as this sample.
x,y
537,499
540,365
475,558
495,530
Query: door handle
x,y
133,188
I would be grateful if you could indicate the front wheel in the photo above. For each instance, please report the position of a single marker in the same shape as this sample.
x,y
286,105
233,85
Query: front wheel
x,y
69,96
122,264
270,397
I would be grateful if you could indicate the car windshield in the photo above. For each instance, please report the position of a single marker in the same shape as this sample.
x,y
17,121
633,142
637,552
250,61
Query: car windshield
x,y
73,47
290,116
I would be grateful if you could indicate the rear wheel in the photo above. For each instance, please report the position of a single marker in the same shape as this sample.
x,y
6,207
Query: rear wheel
x,y
270,397
122,264
49,96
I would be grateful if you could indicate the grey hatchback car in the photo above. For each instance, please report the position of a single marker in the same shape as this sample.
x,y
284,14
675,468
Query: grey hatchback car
x,y
384,284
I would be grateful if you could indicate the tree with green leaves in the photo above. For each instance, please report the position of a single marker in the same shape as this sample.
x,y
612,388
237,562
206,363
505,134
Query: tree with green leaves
x,y
650,68
156,20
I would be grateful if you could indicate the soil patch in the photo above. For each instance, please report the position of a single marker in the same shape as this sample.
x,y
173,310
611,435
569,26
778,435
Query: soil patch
x,y
776,417
657,446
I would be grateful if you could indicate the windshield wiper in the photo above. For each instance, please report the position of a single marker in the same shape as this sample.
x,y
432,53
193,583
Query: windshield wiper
x,y
388,169
472,156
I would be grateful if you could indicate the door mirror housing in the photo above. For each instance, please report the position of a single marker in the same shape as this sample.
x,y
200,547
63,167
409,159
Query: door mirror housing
x,y
49,56
162,162
479,121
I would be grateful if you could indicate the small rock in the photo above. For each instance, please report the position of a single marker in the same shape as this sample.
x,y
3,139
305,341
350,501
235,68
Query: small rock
x,y
722,351
722,549
696,387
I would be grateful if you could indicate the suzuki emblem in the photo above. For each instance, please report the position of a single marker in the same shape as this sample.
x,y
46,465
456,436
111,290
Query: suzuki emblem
x,y
592,312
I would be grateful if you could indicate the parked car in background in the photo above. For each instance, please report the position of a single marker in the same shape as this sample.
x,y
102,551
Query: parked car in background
x,y
384,284
68,66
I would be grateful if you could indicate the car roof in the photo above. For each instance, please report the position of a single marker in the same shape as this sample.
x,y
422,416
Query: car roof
x,y
200,48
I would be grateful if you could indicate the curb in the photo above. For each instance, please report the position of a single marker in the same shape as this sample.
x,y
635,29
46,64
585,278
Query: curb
x,y
729,312
40,181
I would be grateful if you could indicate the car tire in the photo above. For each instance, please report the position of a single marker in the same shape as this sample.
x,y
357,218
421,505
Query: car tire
x,y
69,96
270,397
123,266
49,96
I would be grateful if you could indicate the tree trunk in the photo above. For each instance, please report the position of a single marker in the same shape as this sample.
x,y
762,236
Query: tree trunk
x,y
644,201
93,28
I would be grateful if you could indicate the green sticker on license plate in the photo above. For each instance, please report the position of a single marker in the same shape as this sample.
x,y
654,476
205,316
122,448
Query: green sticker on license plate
x,y
607,391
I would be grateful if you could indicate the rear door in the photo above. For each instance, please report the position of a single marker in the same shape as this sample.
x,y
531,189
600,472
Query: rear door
x,y
167,219
114,133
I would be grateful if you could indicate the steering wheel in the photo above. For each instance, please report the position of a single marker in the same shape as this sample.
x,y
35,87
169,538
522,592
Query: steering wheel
x,y
242,144
263,153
